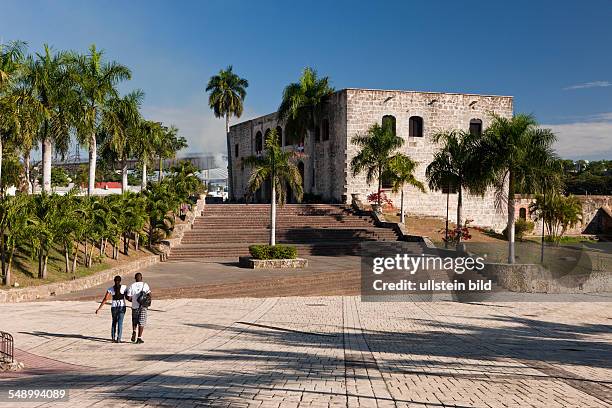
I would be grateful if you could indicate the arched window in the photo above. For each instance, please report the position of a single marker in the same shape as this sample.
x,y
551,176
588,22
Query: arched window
x,y
415,126
523,213
279,135
325,129
389,122
258,143
476,127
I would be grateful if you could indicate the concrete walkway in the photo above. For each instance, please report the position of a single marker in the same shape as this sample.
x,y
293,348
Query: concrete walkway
x,y
333,351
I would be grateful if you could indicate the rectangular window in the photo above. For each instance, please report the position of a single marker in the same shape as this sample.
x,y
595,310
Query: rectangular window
x,y
236,150
476,128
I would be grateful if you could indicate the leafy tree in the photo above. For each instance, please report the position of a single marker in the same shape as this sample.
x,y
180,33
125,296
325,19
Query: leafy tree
x,y
378,149
303,102
96,84
14,213
277,166
557,212
147,133
401,173
11,56
520,156
457,165
167,145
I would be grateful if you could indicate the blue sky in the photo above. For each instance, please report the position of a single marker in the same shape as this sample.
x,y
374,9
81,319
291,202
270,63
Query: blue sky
x,y
554,57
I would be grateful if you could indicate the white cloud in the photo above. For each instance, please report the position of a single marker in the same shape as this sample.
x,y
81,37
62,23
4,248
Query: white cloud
x,y
585,140
594,84
204,132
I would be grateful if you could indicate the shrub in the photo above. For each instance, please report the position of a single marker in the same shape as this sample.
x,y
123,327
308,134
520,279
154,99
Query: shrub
x,y
521,228
273,252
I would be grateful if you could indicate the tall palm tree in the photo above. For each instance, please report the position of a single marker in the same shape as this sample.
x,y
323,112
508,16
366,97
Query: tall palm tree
x,y
457,165
148,133
280,169
401,173
96,84
226,98
167,145
122,137
303,102
11,56
520,154
378,149
47,76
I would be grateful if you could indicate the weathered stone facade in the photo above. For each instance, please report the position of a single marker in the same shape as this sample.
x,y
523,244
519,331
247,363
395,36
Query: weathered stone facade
x,y
326,162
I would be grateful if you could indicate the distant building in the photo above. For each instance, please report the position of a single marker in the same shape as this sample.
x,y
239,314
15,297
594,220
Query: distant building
x,y
415,116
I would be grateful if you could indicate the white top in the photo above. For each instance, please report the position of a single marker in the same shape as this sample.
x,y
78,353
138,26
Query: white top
x,y
134,291
120,302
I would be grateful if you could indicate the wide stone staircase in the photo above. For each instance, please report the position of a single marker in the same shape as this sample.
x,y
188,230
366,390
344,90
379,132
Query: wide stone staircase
x,y
227,230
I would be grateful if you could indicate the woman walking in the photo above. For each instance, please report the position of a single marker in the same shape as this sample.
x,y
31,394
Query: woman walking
x,y
117,293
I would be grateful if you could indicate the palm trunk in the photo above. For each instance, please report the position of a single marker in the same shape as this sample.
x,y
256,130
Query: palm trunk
x,y
136,240
2,251
1,186
67,258
159,174
85,254
124,176
75,257
230,178
26,168
459,213
379,186
273,216
93,155
7,274
46,158
143,183
510,227
402,217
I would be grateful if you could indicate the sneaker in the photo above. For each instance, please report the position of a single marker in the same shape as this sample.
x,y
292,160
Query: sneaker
x,y
139,341
133,337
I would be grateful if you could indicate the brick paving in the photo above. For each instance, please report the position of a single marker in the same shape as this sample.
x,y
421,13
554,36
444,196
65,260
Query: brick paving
x,y
323,351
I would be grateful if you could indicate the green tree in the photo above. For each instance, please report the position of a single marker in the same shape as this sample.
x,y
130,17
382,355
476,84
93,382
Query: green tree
x,y
46,75
14,213
167,145
96,84
226,98
279,167
147,133
401,173
557,212
520,156
11,56
302,104
378,149
456,165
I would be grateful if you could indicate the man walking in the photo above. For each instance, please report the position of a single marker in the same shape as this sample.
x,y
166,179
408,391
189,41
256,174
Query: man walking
x,y
139,294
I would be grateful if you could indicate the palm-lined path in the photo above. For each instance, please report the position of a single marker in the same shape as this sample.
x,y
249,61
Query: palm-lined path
x,y
326,351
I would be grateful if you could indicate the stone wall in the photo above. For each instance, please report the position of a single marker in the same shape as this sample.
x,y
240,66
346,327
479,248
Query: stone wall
x,y
60,288
351,112
596,216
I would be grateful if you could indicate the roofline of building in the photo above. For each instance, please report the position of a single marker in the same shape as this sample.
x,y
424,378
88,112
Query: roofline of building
x,y
389,90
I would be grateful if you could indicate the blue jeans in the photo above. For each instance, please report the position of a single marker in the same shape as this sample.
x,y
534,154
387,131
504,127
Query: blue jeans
x,y
118,313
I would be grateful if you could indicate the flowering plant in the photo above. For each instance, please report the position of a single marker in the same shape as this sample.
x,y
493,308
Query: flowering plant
x,y
458,234
384,200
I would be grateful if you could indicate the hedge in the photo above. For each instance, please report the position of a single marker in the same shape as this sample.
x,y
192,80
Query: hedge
x,y
273,252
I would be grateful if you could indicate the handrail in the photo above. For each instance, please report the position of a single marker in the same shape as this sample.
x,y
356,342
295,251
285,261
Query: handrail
x,y
6,347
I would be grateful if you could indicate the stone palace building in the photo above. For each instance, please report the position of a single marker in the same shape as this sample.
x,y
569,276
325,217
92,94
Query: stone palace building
x,y
327,152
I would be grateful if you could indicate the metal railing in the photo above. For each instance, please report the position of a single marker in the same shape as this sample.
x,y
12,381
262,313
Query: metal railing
x,y
6,347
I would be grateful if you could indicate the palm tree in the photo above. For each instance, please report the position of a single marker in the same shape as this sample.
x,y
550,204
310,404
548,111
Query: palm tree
x,y
303,103
377,151
401,173
14,213
47,77
147,134
226,98
96,83
11,56
167,145
457,165
280,169
122,138
520,154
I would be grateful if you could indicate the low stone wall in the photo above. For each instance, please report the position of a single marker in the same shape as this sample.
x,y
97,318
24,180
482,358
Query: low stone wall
x,y
248,262
60,288
531,278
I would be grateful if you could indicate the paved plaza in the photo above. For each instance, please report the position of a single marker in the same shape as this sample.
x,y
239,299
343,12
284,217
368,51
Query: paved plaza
x,y
324,351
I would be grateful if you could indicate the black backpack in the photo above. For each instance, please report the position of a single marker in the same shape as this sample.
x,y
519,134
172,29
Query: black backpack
x,y
144,299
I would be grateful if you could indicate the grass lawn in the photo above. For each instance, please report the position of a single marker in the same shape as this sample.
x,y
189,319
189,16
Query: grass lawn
x,y
25,269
